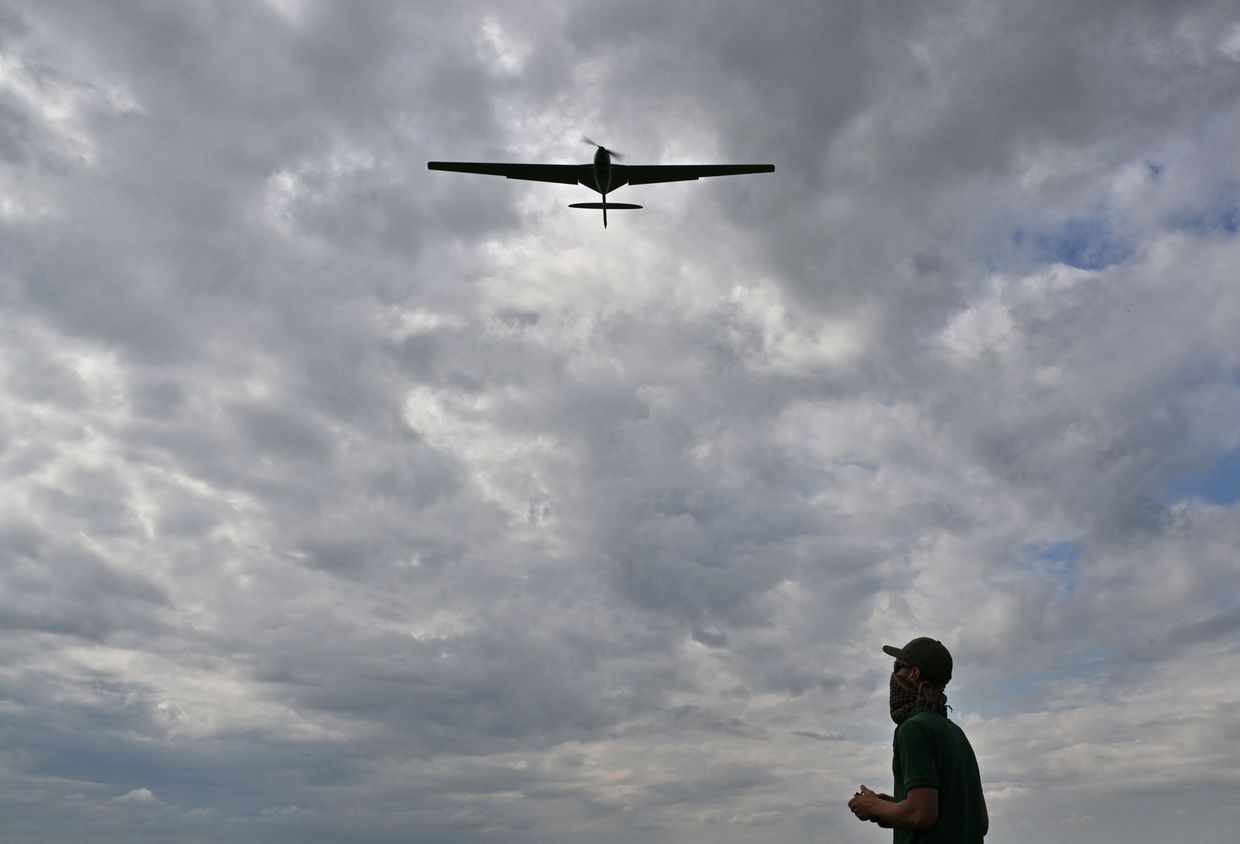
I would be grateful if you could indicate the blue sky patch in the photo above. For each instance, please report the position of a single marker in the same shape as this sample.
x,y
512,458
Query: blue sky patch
x,y
1220,484
1088,243
1056,560
1221,218
1025,691
1220,215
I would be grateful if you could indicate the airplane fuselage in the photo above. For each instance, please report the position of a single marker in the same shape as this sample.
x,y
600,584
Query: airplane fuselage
x,y
602,176
602,170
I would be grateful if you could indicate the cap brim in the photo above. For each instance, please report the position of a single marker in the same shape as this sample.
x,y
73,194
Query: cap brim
x,y
892,650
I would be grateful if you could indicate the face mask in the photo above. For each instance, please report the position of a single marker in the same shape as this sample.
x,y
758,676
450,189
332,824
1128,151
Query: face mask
x,y
903,698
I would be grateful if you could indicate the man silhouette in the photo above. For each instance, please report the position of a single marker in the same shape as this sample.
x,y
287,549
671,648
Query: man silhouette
x,y
938,790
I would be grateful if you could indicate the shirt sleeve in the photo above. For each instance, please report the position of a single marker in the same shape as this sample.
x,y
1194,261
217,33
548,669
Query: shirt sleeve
x,y
915,746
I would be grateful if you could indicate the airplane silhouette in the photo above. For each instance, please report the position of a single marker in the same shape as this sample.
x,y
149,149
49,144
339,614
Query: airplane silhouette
x,y
602,176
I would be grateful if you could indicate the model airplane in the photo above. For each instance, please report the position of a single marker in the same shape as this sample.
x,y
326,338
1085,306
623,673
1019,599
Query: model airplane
x,y
602,176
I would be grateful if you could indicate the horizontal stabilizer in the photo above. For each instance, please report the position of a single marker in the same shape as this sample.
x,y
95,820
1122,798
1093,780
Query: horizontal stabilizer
x,y
618,206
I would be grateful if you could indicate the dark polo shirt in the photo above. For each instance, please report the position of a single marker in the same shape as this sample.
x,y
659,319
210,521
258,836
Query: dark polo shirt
x,y
933,752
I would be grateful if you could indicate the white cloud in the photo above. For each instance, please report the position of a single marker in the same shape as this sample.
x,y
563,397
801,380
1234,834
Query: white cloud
x,y
137,797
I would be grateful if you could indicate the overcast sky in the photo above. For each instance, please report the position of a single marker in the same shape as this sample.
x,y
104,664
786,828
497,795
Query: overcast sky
x,y
341,500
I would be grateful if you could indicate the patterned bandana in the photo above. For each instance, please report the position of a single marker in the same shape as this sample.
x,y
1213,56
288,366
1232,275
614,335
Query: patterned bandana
x,y
903,700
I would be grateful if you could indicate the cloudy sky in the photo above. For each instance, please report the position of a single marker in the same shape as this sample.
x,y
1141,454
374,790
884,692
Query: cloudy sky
x,y
346,501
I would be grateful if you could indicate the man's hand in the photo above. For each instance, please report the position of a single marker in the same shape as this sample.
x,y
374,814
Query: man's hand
x,y
863,803
920,810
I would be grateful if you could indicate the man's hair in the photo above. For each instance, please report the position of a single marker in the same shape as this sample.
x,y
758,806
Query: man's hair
x,y
931,696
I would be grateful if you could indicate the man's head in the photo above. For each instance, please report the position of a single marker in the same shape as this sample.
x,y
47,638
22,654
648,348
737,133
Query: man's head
x,y
927,657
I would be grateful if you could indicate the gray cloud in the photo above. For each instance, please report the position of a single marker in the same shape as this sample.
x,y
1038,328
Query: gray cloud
x,y
344,499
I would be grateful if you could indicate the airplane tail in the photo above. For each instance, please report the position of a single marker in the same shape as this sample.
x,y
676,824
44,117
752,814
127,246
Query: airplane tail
x,y
604,205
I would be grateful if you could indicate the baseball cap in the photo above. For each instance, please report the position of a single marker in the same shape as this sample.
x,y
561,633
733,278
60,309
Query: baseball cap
x,y
927,654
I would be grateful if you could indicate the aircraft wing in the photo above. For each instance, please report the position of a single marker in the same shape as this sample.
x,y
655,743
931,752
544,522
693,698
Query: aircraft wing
x,y
648,174
562,173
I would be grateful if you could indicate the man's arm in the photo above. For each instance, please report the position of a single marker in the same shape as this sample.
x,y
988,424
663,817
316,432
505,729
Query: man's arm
x,y
889,799
920,810
985,818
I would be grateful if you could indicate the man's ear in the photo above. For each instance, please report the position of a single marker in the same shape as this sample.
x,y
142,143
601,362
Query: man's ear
x,y
914,674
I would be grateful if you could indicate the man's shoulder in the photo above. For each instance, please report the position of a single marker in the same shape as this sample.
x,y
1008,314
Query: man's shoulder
x,y
934,729
926,720
919,727
930,724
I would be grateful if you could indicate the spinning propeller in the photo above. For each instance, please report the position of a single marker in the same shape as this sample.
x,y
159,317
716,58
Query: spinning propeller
x,y
610,152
